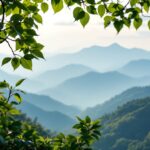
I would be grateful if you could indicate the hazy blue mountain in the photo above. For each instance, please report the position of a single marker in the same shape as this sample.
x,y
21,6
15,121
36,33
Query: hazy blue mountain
x,y
28,85
52,78
48,104
128,128
118,100
91,88
96,57
8,77
137,68
52,120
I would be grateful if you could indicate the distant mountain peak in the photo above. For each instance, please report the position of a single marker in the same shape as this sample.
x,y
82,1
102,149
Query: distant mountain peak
x,y
115,45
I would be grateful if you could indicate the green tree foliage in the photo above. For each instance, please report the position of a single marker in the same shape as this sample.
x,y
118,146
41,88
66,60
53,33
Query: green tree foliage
x,y
17,133
128,128
20,20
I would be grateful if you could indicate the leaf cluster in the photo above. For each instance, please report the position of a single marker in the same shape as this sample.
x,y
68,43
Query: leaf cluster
x,y
24,135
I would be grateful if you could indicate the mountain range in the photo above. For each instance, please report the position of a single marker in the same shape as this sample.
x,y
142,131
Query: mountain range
x,y
54,77
48,104
93,88
28,85
117,101
136,68
99,58
52,120
86,78
128,128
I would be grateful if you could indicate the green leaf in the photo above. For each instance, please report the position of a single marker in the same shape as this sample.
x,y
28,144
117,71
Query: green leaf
x,y
57,5
69,2
44,7
30,32
6,60
29,22
101,10
137,23
38,53
85,19
90,1
77,126
15,62
18,97
133,2
19,82
149,24
146,7
118,25
27,64
127,22
37,46
78,13
38,1
88,119
91,9
107,21
38,18
4,84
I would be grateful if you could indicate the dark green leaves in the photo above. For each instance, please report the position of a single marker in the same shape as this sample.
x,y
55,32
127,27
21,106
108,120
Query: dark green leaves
x,y
133,2
118,24
6,60
78,13
90,1
101,10
19,82
91,9
15,62
137,22
27,64
69,2
85,19
57,5
88,129
4,84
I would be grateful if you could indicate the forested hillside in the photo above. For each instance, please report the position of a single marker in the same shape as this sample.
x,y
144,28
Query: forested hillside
x,y
118,100
128,128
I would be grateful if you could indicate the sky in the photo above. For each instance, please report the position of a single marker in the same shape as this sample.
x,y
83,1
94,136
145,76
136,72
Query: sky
x,y
60,34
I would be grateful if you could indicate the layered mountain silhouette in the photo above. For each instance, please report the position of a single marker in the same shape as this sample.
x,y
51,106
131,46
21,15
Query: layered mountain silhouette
x,y
28,85
48,104
117,101
53,120
52,78
99,58
91,88
137,68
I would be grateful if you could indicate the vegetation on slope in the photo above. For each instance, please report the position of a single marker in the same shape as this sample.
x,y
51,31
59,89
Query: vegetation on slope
x,y
16,134
128,128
